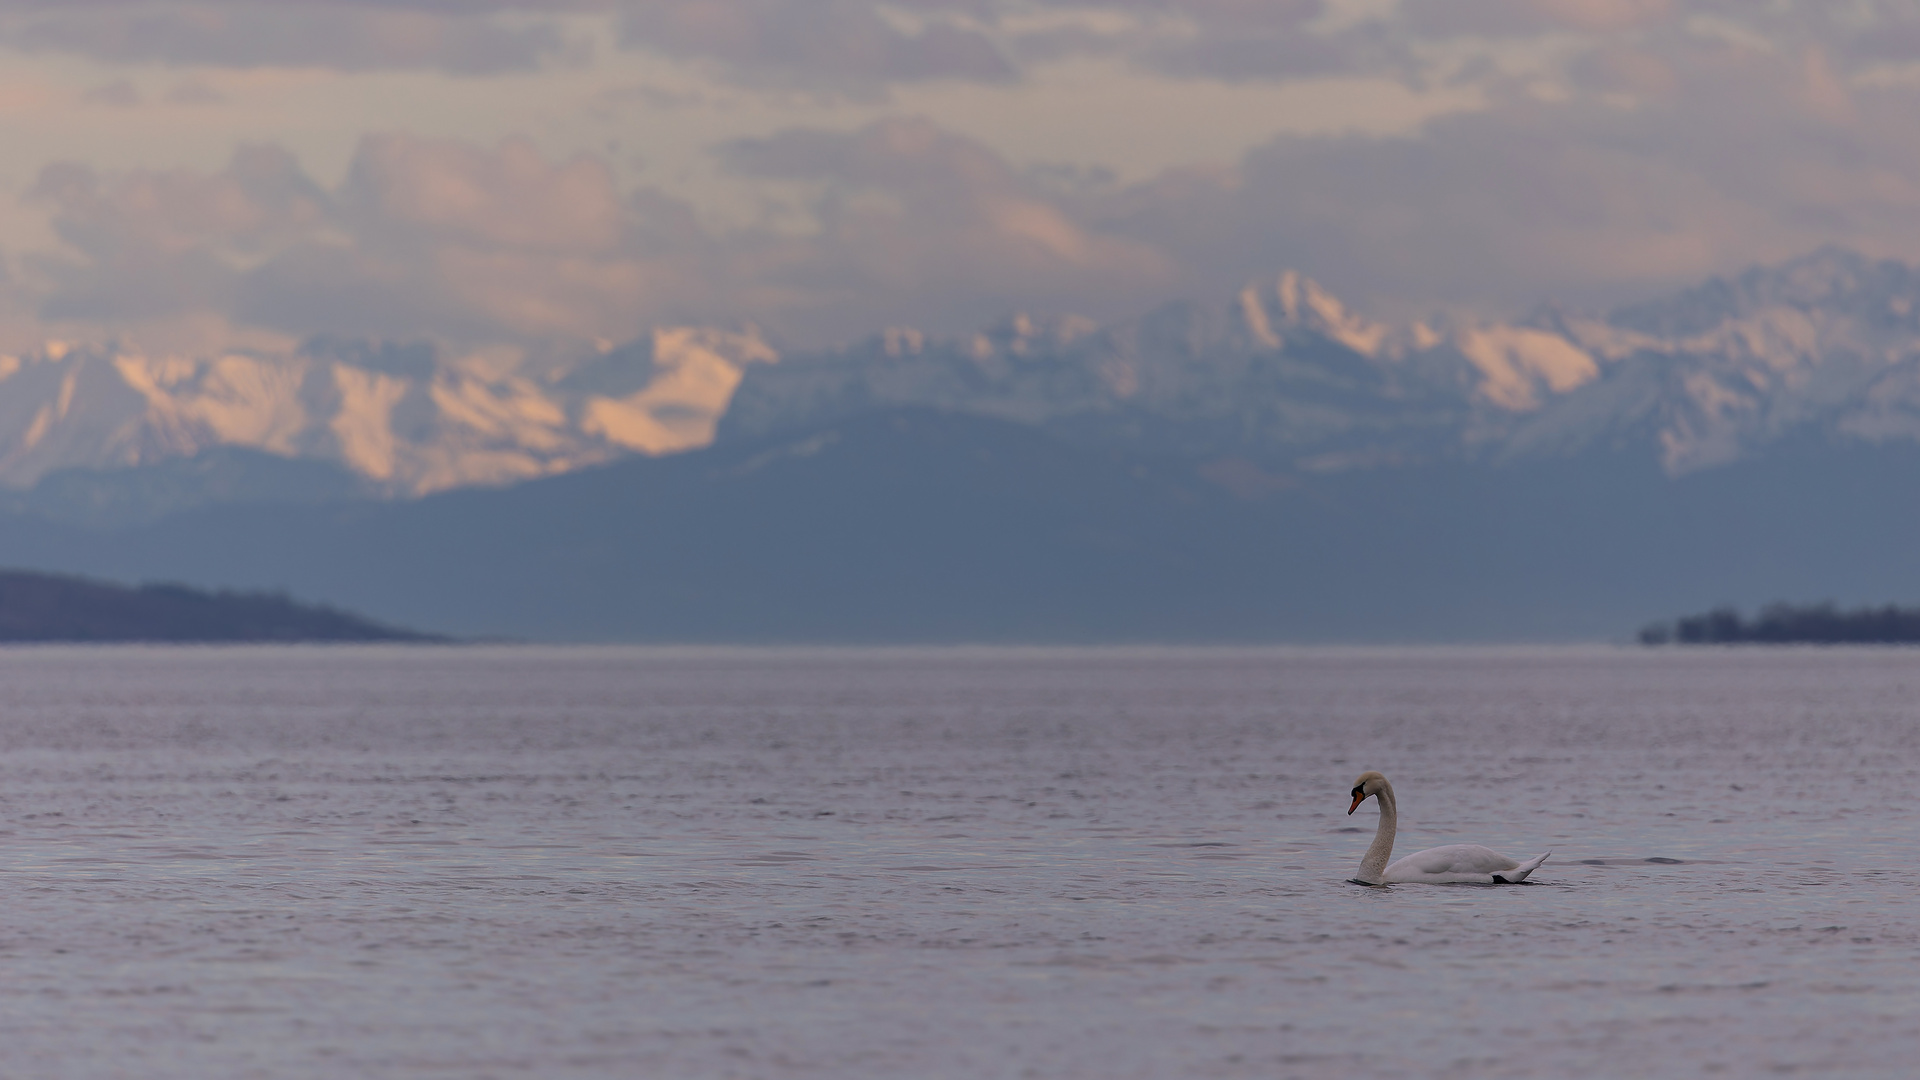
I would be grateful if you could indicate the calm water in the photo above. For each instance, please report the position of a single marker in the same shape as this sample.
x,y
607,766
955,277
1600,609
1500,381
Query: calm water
x,y
1124,863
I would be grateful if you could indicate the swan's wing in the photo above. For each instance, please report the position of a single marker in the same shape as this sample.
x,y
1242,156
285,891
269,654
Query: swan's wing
x,y
1454,861
1462,862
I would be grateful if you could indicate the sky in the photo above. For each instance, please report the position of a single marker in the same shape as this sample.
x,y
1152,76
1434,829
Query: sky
x,y
210,174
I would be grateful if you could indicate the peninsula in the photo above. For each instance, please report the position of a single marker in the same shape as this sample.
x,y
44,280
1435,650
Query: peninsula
x,y
56,607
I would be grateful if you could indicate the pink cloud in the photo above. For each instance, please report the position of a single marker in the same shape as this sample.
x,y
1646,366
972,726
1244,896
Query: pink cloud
x,y
506,197
432,237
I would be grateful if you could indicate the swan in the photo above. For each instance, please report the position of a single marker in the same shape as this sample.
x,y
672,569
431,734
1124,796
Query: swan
x,y
1454,862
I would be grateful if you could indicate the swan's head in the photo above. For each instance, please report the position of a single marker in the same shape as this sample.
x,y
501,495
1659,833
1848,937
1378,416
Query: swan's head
x,y
1370,783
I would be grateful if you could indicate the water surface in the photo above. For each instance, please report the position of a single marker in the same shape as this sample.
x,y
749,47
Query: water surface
x,y
507,862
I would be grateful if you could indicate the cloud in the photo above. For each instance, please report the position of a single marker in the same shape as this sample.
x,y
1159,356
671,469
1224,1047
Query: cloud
x,y
1503,18
119,94
829,44
435,236
915,223
476,244
154,244
439,191
469,40
194,92
424,237
866,45
1720,156
1715,157
1229,40
1634,145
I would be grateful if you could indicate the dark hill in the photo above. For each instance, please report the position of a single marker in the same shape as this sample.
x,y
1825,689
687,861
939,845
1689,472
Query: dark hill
x,y
51,607
922,526
910,525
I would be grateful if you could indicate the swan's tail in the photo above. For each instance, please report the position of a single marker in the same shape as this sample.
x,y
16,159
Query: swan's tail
x,y
1519,873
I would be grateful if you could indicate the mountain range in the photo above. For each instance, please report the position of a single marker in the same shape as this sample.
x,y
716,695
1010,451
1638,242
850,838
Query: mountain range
x,y
1283,380
1273,468
1287,379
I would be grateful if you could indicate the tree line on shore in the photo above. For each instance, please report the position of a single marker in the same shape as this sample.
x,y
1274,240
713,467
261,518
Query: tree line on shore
x,y
1791,624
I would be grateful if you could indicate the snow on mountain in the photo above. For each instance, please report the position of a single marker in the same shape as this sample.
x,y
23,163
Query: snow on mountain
x,y
1286,377
1826,346
1280,382
403,417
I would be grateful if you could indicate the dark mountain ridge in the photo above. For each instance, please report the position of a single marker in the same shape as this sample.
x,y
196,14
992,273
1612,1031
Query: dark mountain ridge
x,y
918,526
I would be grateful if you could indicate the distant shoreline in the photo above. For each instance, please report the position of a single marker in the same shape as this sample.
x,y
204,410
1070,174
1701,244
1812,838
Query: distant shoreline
x,y
1790,624
58,608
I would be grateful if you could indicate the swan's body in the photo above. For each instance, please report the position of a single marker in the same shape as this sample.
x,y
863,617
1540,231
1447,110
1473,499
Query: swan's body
x,y
1454,862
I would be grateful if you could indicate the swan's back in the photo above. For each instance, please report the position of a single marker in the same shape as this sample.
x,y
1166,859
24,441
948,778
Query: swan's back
x,y
1462,862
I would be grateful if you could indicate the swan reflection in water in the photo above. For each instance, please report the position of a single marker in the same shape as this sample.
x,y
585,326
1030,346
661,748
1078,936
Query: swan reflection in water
x,y
1441,865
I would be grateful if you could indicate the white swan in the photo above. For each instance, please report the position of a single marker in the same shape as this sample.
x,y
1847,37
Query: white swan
x,y
1454,862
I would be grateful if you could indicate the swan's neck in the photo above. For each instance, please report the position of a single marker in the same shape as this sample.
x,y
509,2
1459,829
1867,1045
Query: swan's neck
x,y
1373,868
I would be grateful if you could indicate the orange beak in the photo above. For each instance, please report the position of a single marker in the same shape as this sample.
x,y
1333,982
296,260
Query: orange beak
x,y
1357,800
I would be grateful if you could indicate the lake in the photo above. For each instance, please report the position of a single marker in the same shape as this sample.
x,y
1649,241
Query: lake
x,y
1101,863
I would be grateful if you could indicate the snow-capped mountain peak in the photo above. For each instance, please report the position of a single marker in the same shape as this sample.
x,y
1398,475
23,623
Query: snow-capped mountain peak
x,y
1272,315
404,417
1825,346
